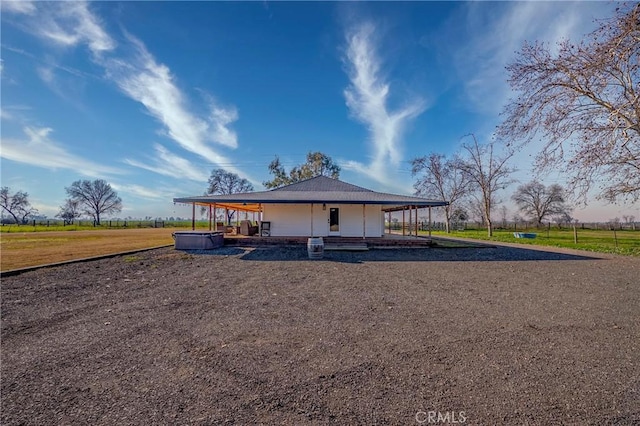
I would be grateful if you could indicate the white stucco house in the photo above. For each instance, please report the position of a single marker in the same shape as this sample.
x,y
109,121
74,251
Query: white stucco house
x,y
317,207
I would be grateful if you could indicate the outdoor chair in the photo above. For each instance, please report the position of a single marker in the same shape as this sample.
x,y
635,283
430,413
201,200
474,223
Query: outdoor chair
x,y
247,229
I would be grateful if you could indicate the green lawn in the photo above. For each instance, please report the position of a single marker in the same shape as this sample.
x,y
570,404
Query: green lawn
x,y
603,241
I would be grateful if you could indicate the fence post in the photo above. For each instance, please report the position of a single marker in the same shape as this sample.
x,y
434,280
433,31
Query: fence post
x,y
615,237
575,235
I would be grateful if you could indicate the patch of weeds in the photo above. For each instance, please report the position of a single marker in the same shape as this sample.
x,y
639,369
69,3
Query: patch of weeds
x,y
129,259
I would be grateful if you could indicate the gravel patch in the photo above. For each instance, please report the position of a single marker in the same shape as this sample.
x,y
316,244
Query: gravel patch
x,y
495,335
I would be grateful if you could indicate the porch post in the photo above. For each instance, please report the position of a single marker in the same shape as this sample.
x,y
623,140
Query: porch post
x,y
193,216
410,218
389,222
429,222
416,221
210,218
311,220
364,222
403,230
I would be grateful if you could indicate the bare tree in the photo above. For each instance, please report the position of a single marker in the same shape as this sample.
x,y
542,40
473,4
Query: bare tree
x,y
584,102
17,205
440,178
223,182
488,173
563,217
317,164
540,201
504,215
630,221
97,198
69,211
476,210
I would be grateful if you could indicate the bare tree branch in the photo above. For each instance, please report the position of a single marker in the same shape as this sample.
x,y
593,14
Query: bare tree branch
x,y
487,172
584,103
96,198
440,178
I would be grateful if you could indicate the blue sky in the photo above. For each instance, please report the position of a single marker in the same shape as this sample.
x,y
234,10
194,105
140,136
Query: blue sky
x,y
151,96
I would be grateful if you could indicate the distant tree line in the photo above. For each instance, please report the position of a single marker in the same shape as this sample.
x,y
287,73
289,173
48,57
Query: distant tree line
x,y
92,198
471,179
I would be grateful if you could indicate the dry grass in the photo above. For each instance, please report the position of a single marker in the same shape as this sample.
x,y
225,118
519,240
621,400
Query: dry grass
x,y
22,250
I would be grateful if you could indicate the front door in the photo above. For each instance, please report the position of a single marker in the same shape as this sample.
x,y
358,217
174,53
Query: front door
x,y
334,221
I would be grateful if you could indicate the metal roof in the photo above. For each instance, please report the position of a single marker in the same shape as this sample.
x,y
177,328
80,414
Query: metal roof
x,y
320,189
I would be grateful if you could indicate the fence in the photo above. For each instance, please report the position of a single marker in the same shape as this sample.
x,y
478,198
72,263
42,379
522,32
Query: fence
x,y
513,226
110,224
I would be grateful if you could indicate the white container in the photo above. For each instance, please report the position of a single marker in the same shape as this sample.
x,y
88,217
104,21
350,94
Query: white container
x,y
315,248
198,240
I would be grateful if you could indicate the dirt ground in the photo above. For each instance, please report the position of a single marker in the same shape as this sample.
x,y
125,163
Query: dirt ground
x,y
265,336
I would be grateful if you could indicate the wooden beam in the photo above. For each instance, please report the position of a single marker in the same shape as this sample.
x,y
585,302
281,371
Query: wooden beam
x,y
416,220
210,218
429,221
311,220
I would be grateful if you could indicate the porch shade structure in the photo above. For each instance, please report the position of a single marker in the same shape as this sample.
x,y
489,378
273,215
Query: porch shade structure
x,y
319,191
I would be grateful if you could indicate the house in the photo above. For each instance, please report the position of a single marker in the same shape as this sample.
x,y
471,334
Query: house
x,y
318,207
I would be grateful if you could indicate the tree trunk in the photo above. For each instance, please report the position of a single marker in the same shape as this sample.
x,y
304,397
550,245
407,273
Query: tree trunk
x,y
489,228
447,221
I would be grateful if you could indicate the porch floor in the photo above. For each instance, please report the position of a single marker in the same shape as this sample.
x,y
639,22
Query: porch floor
x,y
332,243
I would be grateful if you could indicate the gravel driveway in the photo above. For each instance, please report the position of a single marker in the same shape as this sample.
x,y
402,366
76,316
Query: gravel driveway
x,y
247,336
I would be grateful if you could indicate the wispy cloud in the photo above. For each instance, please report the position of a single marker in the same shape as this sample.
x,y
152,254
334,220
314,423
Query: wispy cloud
x,y
142,192
22,6
152,84
72,23
495,31
367,98
135,71
169,164
41,151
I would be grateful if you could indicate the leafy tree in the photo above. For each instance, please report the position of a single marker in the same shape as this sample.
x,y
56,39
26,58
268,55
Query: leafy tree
x,y
318,164
440,178
488,173
69,211
584,102
222,182
459,216
97,198
17,205
539,201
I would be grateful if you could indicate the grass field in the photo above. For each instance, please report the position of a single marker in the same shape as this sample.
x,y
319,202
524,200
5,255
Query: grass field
x,y
88,226
28,248
24,249
603,241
